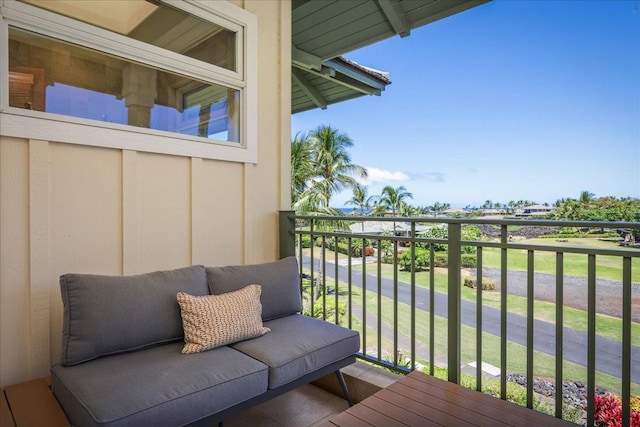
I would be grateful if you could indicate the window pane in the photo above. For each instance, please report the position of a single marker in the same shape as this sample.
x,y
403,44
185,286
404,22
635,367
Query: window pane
x,y
57,77
154,23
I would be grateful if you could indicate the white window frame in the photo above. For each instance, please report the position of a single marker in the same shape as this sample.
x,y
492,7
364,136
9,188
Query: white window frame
x,y
22,123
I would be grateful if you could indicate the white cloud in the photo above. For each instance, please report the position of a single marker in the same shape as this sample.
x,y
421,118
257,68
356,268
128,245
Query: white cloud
x,y
384,176
429,176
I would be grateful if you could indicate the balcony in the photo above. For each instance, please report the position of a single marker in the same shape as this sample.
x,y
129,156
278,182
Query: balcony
x,y
561,313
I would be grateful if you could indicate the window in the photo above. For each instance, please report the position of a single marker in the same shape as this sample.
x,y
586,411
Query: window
x,y
173,71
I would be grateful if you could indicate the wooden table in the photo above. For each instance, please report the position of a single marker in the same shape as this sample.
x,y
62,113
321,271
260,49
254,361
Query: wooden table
x,y
421,400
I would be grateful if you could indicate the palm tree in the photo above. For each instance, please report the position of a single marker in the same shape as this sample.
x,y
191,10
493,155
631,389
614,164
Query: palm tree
x,y
361,199
407,210
314,201
302,169
438,208
332,161
320,166
586,197
393,197
377,208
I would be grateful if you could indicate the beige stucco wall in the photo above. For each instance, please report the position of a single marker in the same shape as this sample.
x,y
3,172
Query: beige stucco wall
x,y
73,208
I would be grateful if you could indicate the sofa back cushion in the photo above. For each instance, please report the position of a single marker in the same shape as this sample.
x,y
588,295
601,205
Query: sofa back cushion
x,y
279,281
106,315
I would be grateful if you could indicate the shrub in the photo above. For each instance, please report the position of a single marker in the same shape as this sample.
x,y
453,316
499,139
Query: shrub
x,y
343,248
441,260
471,232
357,248
386,247
330,313
435,233
608,411
305,241
468,249
468,260
422,259
487,284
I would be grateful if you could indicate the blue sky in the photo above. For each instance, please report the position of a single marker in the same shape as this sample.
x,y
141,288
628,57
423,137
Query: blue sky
x,y
533,100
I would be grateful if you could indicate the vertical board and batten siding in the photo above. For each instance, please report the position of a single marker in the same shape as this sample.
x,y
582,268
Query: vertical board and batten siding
x,y
75,208
15,289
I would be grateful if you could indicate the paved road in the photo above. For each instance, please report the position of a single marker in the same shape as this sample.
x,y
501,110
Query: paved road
x,y
608,352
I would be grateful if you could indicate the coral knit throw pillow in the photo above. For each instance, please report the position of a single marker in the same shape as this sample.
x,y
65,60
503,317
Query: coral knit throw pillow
x,y
212,321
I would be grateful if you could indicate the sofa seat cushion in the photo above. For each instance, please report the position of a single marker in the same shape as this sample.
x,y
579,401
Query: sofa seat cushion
x,y
298,345
159,386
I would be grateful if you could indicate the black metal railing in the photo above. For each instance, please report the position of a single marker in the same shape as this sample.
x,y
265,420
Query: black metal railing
x,y
329,279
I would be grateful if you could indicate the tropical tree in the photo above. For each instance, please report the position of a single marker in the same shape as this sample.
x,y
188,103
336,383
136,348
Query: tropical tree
x,y
586,197
332,161
588,208
321,166
302,165
315,200
392,198
406,210
361,199
377,208
437,208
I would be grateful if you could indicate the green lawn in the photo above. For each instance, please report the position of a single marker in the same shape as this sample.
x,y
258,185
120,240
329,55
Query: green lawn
x,y
574,265
516,354
606,326
544,364
607,267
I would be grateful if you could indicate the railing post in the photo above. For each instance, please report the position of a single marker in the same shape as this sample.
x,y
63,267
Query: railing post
x,y
453,295
287,237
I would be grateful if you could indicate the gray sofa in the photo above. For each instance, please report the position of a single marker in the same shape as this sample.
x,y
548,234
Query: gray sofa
x,y
122,339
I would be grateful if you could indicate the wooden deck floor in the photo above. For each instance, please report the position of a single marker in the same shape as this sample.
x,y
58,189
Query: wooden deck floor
x,y
422,400
31,404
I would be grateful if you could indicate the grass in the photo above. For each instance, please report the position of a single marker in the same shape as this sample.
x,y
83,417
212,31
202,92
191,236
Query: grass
x,y
516,354
607,267
606,326
544,364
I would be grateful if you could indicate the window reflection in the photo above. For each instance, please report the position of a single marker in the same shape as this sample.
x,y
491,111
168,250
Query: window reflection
x,y
56,77
155,23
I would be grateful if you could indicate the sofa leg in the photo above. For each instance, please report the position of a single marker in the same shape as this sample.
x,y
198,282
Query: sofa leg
x,y
220,423
344,388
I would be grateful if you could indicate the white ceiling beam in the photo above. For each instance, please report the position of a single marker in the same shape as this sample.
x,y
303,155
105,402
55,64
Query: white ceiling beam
x,y
308,88
356,85
349,82
304,59
396,17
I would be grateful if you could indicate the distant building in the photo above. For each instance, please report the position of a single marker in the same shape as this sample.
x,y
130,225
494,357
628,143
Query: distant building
x,y
456,212
534,210
382,227
489,212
